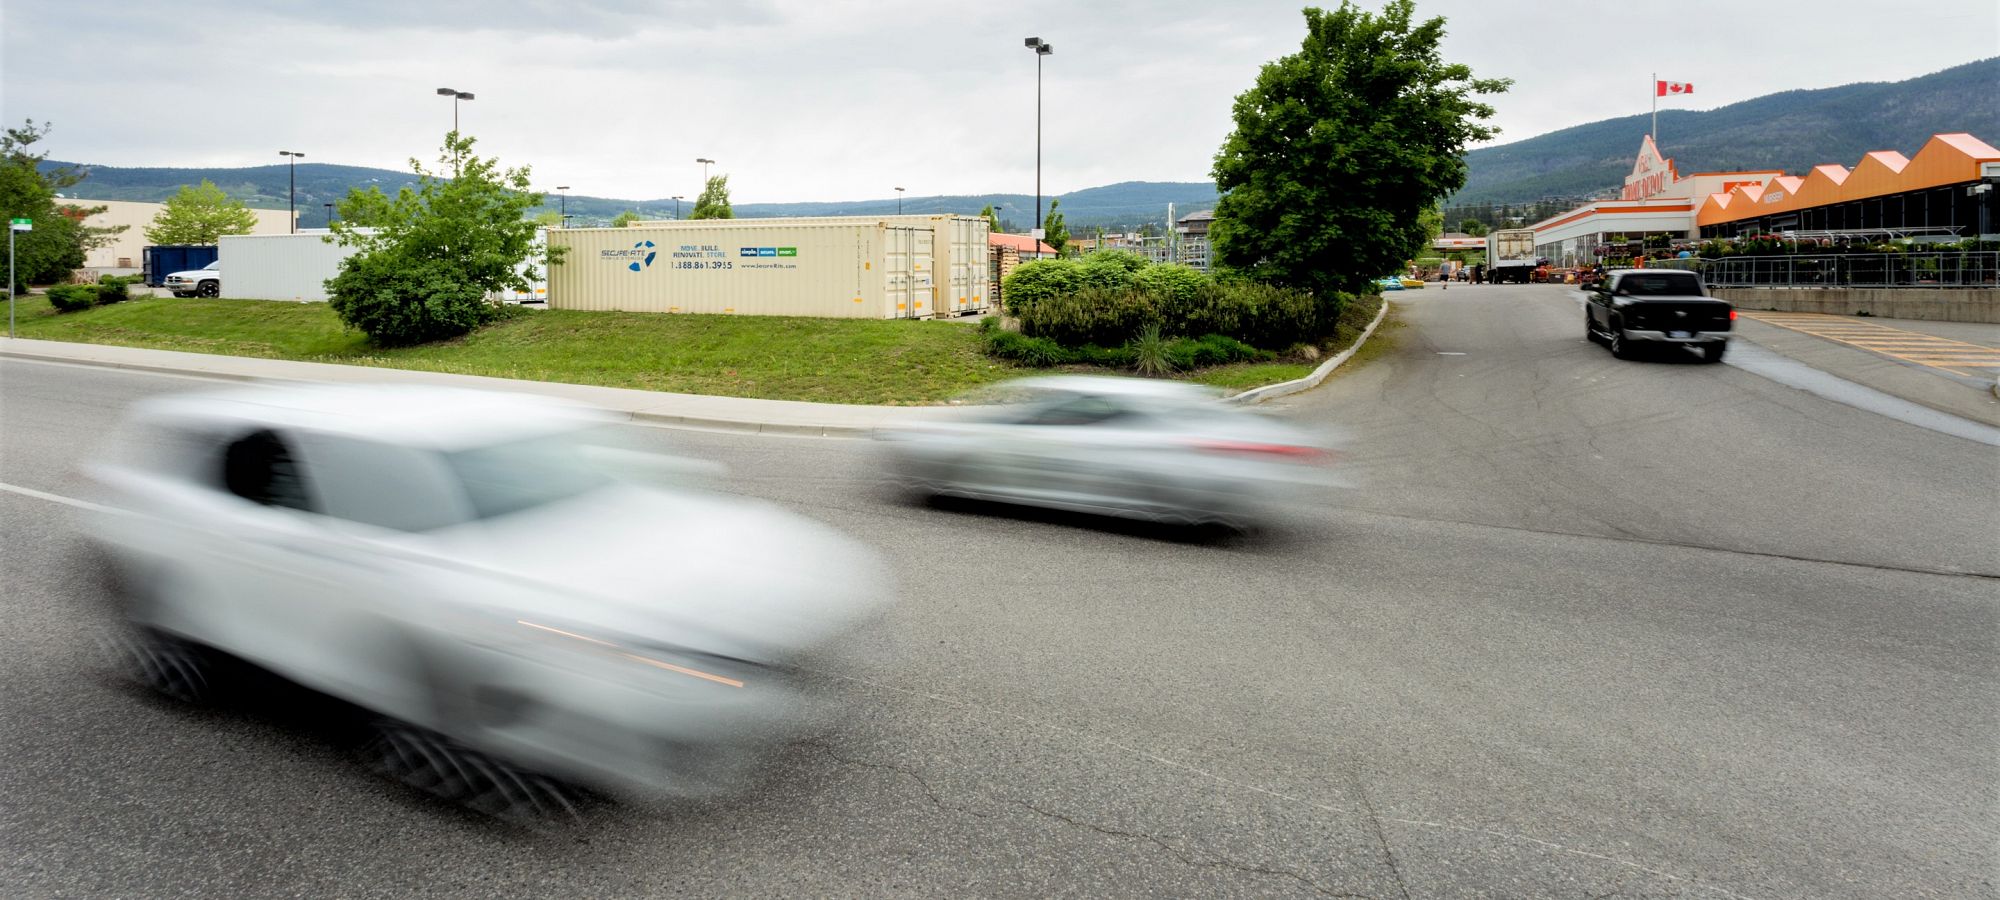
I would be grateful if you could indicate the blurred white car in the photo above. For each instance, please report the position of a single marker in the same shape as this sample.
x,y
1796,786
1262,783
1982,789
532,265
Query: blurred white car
x,y
1157,450
473,568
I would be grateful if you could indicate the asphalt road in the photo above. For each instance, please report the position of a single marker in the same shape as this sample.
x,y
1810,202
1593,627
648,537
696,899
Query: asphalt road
x,y
1585,628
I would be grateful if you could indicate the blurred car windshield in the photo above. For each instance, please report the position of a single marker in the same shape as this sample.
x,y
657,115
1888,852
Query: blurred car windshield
x,y
510,477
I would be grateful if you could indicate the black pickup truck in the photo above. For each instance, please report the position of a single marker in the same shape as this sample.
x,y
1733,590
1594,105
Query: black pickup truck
x,y
1649,307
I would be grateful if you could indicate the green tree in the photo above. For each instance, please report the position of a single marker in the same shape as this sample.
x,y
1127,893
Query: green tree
x,y
199,214
626,218
1473,228
992,221
57,245
714,200
548,218
1340,148
429,258
1056,234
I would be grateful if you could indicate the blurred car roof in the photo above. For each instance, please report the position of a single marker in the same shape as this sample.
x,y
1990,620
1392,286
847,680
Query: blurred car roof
x,y
1110,385
441,418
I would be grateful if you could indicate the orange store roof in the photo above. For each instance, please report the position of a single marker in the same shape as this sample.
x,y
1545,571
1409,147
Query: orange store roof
x,y
1944,159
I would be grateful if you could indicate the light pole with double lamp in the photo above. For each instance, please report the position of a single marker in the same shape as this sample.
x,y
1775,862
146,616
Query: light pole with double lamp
x,y
455,96
293,162
677,206
1042,48
899,201
329,214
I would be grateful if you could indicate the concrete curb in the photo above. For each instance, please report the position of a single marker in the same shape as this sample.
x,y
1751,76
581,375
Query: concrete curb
x,y
1283,388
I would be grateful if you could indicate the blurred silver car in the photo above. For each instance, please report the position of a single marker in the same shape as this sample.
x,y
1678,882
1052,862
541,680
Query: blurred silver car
x,y
1156,450
491,574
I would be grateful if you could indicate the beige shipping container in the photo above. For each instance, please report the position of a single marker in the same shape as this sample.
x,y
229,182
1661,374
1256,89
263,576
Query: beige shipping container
x,y
849,267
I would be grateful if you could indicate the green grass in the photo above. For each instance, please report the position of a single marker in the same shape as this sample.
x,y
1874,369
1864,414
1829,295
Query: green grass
x,y
822,360
1239,377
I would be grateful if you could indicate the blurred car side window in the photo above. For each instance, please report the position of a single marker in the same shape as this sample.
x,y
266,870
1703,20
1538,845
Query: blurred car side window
x,y
385,485
1080,411
260,468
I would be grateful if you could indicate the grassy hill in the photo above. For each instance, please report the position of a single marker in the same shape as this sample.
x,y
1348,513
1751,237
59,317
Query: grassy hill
x,y
1793,131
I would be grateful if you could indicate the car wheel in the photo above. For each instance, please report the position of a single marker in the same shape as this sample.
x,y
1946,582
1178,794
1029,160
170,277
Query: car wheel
x,y
1620,347
1590,329
169,665
210,289
444,768
1713,351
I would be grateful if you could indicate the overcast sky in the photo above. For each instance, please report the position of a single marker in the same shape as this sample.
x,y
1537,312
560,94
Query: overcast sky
x,y
842,100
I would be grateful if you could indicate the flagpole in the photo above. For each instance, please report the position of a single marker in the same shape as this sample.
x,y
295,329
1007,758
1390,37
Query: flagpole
x,y
1656,109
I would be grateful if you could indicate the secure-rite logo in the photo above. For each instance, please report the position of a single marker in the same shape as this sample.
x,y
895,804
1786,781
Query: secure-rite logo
x,y
641,249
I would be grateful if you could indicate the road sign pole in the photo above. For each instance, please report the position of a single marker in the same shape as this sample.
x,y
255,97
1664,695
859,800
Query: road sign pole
x,y
10,282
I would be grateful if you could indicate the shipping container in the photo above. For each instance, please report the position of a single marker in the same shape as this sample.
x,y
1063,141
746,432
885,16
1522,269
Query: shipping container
x,y
297,267
158,261
279,266
845,267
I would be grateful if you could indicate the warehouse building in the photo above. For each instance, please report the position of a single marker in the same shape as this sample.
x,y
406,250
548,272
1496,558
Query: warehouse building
x,y
1656,201
123,251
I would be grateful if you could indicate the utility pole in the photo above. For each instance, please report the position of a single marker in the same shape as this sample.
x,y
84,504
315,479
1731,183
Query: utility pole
x,y
12,227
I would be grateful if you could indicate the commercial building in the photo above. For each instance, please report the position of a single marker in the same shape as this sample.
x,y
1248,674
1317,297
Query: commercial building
x,y
1944,193
122,252
1656,201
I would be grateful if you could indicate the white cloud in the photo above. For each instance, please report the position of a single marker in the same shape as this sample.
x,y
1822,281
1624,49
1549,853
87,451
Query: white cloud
x,y
826,100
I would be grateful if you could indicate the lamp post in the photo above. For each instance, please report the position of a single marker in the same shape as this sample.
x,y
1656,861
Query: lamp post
x,y
293,162
562,192
899,201
455,96
329,214
705,163
677,206
1041,48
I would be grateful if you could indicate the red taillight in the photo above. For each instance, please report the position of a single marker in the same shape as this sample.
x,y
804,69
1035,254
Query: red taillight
x,y
1732,315
1292,452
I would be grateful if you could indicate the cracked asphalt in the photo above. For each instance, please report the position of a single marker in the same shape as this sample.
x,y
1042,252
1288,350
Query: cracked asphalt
x,y
1584,628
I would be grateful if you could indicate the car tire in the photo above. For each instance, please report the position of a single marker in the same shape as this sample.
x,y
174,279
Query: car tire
x,y
1713,351
169,665
1590,330
1620,347
444,768
210,289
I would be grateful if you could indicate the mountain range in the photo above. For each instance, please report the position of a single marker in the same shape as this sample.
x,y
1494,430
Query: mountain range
x,y
1791,130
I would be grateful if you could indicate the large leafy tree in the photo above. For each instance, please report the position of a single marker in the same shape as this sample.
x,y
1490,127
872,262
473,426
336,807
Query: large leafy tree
x,y
198,214
429,258
28,189
1340,148
714,200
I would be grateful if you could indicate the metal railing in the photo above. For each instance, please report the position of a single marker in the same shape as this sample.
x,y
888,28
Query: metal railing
x,y
1952,269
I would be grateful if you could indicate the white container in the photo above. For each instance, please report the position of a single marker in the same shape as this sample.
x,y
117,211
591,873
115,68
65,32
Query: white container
x,y
297,266
278,266
847,267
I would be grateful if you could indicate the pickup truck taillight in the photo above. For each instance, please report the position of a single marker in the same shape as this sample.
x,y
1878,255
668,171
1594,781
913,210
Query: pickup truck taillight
x,y
1732,315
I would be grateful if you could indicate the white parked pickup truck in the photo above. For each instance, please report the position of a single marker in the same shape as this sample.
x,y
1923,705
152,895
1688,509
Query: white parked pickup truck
x,y
205,281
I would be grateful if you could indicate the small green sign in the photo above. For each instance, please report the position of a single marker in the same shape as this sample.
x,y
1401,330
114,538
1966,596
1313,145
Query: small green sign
x,y
788,251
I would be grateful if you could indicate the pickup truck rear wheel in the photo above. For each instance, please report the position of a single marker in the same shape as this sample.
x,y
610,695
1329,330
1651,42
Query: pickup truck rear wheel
x,y
1712,352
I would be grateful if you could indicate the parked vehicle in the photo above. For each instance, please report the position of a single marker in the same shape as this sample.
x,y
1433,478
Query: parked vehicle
x,y
1155,450
1391,283
205,281
1412,283
1631,308
160,260
491,575
1510,255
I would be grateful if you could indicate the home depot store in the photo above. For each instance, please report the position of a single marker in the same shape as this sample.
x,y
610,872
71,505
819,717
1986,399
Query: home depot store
x,y
1656,200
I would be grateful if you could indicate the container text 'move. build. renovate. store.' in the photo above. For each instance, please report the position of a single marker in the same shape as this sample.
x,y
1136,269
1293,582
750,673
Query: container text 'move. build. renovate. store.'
x,y
883,267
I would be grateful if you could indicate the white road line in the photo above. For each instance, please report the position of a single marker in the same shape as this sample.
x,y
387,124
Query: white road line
x,y
54,498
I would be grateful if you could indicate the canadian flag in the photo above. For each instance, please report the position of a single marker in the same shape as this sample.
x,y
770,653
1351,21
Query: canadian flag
x,y
1663,88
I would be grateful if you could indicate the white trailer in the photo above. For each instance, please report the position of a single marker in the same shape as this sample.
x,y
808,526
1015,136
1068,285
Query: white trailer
x,y
297,267
1510,255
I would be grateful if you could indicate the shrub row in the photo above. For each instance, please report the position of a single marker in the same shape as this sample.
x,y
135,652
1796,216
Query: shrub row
x,y
1108,299
108,289
1178,353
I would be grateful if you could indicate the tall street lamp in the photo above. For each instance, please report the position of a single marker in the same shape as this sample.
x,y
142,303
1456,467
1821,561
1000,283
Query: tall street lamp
x,y
899,201
705,163
1041,48
677,206
455,96
562,192
329,214
293,162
